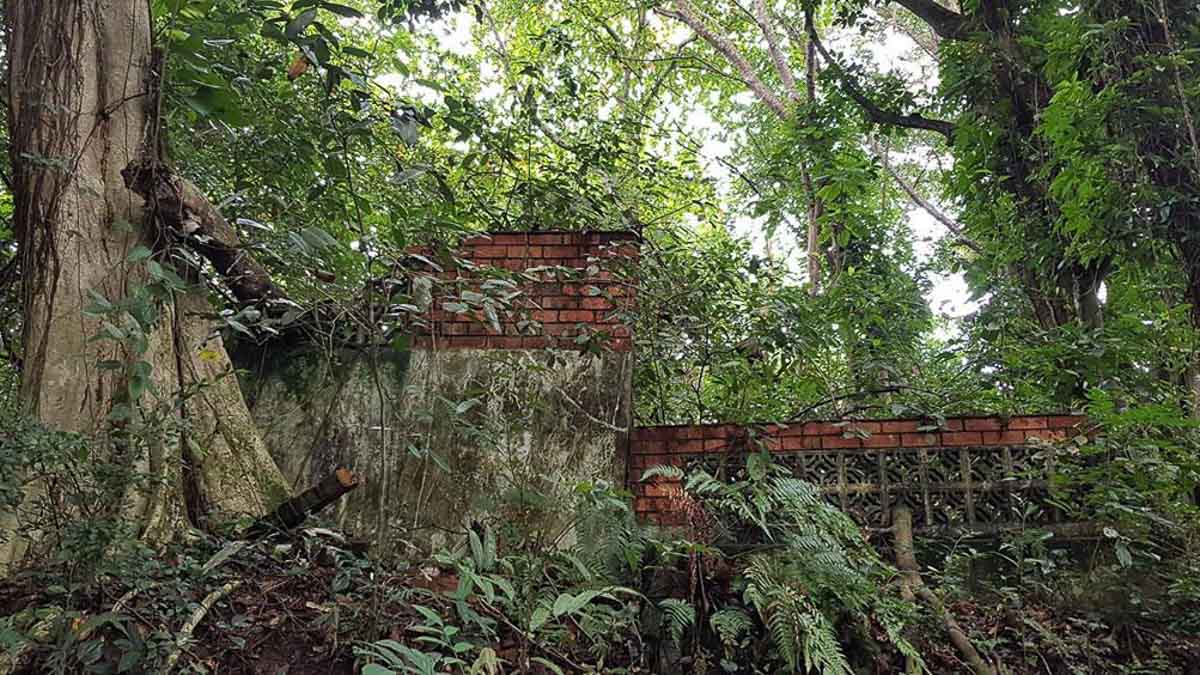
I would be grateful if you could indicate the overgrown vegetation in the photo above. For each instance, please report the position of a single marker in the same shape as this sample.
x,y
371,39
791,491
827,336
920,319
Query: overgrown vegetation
x,y
808,180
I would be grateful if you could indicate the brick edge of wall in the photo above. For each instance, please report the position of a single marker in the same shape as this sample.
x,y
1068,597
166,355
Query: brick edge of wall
x,y
671,445
569,290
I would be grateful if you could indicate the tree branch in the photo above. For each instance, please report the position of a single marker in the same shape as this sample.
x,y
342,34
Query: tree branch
x,y
184,209
945,23
763,19
686,13
874,112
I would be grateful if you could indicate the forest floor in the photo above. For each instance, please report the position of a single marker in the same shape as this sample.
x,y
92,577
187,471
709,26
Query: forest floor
x,y
301,605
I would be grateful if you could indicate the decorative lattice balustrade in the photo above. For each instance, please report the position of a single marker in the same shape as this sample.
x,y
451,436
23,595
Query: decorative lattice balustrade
x,y
971,473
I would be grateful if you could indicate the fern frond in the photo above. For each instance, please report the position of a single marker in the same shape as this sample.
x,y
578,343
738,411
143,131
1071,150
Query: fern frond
x,y
678,615
730,624
667,471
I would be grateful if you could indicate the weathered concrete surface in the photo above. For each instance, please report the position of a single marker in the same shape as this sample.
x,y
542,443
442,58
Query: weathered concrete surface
x,y
442,437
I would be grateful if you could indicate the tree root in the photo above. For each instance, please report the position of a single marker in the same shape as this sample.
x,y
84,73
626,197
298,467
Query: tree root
x,y
913,585
194,620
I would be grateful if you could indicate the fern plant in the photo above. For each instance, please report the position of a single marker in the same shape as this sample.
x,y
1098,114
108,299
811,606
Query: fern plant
x,y
804,565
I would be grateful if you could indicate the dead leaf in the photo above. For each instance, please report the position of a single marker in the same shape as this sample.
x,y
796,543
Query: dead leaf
x,y
299,66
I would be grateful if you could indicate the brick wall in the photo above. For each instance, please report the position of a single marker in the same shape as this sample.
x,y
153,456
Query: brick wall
x,y
657,500
570,293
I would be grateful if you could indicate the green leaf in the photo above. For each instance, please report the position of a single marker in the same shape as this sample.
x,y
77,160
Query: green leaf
x,y
569,604
539,617
342,10
139,253
297,25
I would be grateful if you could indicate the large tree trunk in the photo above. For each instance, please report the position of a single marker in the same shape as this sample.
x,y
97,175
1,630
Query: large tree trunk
x,y
78,81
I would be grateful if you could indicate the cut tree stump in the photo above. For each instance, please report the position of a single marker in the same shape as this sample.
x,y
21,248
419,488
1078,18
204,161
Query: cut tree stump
x,y
296,510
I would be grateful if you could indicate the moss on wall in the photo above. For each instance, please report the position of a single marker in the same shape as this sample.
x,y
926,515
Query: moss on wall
x,y
442,437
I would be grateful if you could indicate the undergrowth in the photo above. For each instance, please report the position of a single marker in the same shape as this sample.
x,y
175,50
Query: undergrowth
x,y
765,577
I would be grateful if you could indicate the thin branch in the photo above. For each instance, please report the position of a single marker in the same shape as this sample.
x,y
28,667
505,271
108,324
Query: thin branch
x,y
685,12
763,19
877,114
799,414
949,223
927,42
197,616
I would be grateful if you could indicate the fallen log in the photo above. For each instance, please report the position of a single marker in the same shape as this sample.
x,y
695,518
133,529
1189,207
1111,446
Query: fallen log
x,y
294,511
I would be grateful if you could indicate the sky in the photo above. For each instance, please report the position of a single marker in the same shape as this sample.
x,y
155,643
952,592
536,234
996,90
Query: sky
x,y
948,296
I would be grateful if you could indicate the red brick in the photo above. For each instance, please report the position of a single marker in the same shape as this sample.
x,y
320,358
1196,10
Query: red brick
x,y
662,489
510,237
899,426
821,428
983,424
620,344
560,251
489,252
1046,435
535,342
505,343
840,442
1027,423
545,315
644,434
882,441
559,302
542,238
962,438
653,447
577,315
693,445
468,341
596,303
474,240
921,440
715,444
800,442
1065,421
953,425
1003,437
867,427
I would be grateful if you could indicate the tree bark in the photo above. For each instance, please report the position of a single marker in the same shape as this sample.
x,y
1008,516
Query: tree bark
x,y
80,112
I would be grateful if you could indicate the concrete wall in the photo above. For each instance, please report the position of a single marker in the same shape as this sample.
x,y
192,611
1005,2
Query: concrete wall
x,y
501,415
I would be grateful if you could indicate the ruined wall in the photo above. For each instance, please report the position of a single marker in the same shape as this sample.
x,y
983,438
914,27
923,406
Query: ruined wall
x,y
499,410
968,473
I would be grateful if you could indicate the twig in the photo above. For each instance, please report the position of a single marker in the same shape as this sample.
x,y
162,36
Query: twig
x,y
854,394
194,620
948,222
545,648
